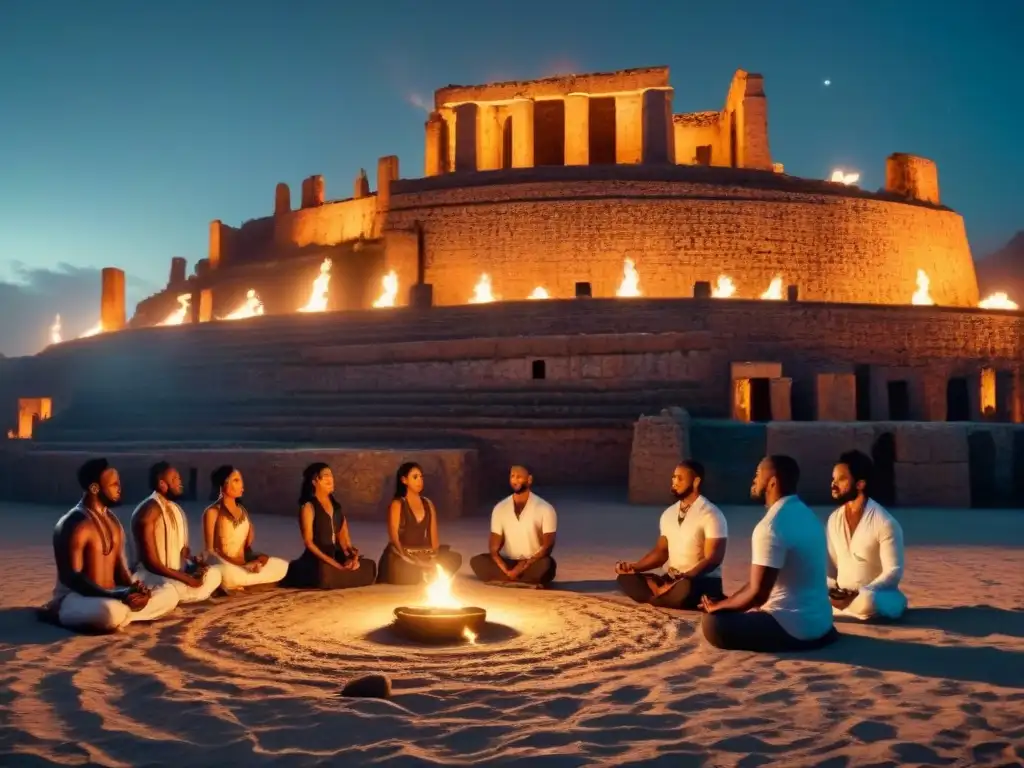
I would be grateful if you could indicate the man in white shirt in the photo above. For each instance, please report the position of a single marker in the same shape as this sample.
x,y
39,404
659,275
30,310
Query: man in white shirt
x,y
785,605
522,537
692,544
865,547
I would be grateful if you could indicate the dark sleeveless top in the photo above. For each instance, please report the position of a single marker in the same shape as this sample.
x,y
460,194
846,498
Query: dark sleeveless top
x,y
413,533
325,526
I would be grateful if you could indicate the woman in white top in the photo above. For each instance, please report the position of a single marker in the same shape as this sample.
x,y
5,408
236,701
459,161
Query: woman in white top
x,y
229,535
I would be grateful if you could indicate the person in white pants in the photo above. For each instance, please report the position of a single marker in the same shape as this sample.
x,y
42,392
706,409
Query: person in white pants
x,y
232,535
865,547
95,591
161,543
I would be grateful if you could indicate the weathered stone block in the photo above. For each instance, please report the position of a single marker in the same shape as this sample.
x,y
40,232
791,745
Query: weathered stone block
x,y
659,444
923,443
836,397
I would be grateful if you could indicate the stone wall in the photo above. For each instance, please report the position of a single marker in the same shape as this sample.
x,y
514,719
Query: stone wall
x,y
365,478
555,87
659,444
555,227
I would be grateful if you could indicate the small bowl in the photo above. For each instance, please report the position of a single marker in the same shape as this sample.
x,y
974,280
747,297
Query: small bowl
x,y
438,625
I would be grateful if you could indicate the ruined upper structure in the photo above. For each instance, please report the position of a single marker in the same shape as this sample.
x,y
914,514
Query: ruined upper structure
x,y
620,118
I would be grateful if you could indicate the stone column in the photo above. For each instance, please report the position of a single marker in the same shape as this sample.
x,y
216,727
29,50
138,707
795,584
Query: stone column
x,y
488,138
112,314
202,306
179,271
307,193
577,129
361,187
655,131
282,199
448,138
629,128
387,171
317,190
214,253
465,138
433,151
521,114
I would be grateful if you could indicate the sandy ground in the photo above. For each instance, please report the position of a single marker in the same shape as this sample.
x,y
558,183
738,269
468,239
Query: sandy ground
x,y
563,678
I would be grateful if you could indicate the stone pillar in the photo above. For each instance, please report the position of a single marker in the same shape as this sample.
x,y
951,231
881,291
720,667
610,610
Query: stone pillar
x,y
448,115
780,391
433,151
655,146
913,177
577,129
629,128
465,138
214,253
488,138
929,390
112,313
521,113
179,271
317,190
387,171
282,200
307,193
361,187
202,306
835,397
741,400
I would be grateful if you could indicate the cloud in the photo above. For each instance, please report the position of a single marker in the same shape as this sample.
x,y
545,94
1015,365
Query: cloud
x,y
33,296
420,102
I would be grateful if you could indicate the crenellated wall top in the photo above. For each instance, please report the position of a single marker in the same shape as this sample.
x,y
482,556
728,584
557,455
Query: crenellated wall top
x,y
555,87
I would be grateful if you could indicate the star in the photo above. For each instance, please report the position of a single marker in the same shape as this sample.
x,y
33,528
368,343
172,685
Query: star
x,y
828,82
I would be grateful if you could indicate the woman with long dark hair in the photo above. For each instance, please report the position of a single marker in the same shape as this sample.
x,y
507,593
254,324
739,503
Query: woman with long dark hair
x,y
413,552
330,561
230,535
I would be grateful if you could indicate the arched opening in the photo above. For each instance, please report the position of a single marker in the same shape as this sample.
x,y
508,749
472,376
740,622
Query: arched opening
x,y
883,454
506,143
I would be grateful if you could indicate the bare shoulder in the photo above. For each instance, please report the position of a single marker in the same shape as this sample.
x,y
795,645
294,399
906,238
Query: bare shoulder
x,y
75,525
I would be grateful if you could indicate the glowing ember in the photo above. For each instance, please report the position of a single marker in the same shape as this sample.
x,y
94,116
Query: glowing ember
x,y
630,285
177,317
318,295
921,296
55,337
774,292
539,293
390,290
997,300
724,288
251,307
94,331
482,293
839,176
469,634
439,591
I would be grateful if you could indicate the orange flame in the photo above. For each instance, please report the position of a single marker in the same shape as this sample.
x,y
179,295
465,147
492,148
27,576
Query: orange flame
x,y
839,176
539,293
774,292
55,337
251,307
724,288
998,300
177,317
389,292
482,293
94,331
921,296
318,295
630,285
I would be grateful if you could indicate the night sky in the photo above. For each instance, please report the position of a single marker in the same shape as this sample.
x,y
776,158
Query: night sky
x,y
126,126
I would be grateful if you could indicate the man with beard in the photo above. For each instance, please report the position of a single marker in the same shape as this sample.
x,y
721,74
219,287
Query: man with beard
x,y
692,542
522,537
785,605
95,591
865,546
160,535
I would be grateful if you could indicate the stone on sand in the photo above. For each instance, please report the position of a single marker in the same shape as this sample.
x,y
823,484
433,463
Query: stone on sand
x,y
368,687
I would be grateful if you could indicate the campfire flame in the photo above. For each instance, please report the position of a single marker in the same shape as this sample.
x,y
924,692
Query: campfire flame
x,y
318,294
774,292
439,595
55,337
389,290
177,317
630,285
251,307
482,293
539,293
724,288
96,330
839,176
997,300
921,296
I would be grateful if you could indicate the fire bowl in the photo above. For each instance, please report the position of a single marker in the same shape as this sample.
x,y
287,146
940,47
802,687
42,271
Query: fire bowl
x,y
438,625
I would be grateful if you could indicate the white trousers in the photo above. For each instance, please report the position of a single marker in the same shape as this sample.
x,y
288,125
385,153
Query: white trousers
x,y
235,576
186,594
104,614
870,604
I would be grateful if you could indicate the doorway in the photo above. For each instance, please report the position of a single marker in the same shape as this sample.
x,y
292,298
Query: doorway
x,y
958,401
899,400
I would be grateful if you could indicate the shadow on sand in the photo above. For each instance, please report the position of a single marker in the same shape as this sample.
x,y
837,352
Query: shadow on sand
x,y
992,666
21,626
968,620
587,587
491,633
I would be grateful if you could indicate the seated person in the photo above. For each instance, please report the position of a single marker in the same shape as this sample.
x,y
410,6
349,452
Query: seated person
x,y
692,542
233,535
95,591
161,542
412,552
329,560
865,546
522,537
785,605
